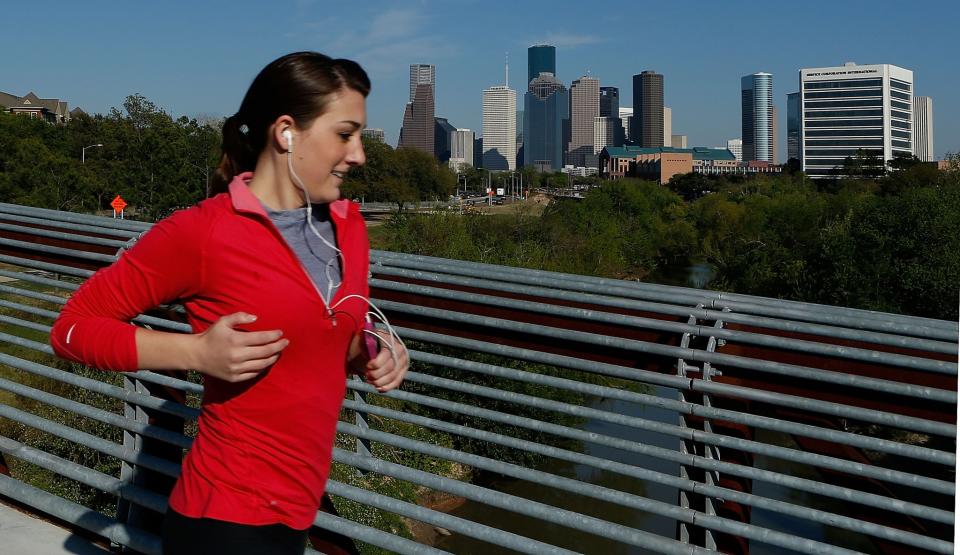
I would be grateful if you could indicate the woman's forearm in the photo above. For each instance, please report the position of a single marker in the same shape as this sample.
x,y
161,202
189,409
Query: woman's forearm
x,y
160,350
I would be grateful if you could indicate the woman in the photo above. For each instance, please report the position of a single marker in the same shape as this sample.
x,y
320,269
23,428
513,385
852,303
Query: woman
x,y
277,297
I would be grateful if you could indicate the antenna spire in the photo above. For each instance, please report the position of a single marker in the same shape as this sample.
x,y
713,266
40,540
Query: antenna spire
x,y
506,80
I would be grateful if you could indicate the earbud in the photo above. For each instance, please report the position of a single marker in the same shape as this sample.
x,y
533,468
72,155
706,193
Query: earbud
x,y
289,135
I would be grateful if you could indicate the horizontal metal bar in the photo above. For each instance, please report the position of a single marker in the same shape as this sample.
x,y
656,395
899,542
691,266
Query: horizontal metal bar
x,y
555,360
46,266
469,528
674,310
31,294
879,473
40,280
68,225
839,351
672,295
109,258
84,475
107,447
80,516
372,536
23,323
694,461
595,491
125,395
640,473
512,503
63,236
844,438
59,215
867,415
100,415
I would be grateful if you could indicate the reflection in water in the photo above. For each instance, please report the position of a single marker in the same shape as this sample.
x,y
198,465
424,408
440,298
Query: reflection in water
x,y
561,535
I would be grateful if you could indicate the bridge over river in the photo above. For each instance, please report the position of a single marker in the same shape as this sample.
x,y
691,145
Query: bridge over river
x,y
544,413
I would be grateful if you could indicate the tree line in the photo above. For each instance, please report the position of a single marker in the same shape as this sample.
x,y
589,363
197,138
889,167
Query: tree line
x,y
889,243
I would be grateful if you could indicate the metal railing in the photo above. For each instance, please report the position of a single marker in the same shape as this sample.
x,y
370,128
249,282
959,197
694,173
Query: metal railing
x,y
590,413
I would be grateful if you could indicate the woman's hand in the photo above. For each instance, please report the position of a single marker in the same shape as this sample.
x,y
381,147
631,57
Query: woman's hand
x,y
234,355
381,371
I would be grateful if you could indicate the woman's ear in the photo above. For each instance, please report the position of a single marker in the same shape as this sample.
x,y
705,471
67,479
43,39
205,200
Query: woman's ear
x,y
283,133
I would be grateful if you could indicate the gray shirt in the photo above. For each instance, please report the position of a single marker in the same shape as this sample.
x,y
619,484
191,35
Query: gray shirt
x,y
313,254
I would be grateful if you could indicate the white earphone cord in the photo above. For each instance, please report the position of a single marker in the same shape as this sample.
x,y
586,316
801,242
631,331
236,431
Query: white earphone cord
x,y
393,336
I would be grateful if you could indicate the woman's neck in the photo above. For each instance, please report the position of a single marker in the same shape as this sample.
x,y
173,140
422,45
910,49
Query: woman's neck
x,y
271,184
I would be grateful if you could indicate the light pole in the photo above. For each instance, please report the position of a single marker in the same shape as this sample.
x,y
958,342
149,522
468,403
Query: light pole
x,y
83,152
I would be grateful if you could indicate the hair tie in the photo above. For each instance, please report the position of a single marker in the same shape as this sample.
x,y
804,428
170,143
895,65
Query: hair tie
x,y
244,129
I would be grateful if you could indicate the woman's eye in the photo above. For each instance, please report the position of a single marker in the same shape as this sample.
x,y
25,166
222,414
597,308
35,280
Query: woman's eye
x,y
345,136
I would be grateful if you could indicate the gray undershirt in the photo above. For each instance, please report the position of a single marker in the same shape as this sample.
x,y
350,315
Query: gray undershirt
x,y
313,254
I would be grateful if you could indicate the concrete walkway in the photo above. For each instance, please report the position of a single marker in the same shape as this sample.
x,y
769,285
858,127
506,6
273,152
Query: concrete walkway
x,y
23,534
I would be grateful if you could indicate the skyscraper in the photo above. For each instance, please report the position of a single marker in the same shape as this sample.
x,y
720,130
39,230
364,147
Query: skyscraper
x,y
757,117
441,138
793,126
584,109
421,74
646,125
854,109
541,58
606,131
418,116
667,126
461,149
499,128
609,102
923,136
546,112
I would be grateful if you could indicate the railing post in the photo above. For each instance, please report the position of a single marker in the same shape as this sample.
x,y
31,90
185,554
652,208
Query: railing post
x,y
127,512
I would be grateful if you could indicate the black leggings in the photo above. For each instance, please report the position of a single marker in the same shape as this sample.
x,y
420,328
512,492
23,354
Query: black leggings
x,y
183,535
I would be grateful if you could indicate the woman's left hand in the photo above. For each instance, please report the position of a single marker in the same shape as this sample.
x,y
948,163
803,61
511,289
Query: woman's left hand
x,y
387,370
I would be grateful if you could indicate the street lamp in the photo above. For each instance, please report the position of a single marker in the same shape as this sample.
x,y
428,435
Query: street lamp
x,y
83,152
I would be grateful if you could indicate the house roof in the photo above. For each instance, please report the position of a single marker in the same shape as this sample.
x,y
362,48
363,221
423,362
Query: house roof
x,y
31,101
699,152
7,100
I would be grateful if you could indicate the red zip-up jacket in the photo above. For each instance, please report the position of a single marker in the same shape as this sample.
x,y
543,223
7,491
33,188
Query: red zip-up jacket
x,y
264,446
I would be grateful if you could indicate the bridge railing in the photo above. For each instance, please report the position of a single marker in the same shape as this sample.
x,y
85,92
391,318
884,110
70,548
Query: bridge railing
x,y
590,414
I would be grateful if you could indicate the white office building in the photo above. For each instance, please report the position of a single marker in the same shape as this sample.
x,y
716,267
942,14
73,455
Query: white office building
x,y
604,133
461,149
736,147
500,128
923,135
667,126
854,108
626,114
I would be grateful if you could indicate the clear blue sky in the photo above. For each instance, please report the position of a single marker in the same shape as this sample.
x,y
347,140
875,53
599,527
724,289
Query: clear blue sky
x,y
197,58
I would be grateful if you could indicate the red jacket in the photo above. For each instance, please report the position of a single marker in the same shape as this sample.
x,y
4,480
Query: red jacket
x,y
263,451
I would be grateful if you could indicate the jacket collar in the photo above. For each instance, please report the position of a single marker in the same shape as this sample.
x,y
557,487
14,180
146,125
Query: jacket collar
x,y
245,201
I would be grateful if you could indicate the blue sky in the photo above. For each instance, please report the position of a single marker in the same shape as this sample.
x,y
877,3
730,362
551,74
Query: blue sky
x,y
197,58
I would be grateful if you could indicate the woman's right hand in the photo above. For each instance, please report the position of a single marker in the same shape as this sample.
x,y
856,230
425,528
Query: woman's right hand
x,y
235,355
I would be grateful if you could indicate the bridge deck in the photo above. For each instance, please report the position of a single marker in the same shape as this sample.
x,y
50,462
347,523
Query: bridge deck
x,y
24,534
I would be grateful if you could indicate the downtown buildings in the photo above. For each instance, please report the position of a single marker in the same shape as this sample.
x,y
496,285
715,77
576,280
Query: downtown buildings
x,y
546,111
923,134
758,118
584,110
418,116
500,128
854,111
646,125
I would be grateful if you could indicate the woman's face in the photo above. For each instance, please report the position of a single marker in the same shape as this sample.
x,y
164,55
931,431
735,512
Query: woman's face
x,y
325,150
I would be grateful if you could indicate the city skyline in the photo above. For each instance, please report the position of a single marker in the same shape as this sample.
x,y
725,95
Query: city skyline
x,y
187,66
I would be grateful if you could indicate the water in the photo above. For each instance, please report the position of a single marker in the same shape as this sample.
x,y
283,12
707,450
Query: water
x,y
566,537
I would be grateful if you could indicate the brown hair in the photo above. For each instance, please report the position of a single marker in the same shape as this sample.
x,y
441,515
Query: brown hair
x,y
299,85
